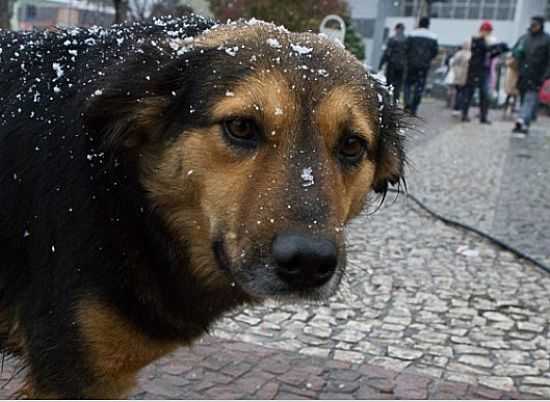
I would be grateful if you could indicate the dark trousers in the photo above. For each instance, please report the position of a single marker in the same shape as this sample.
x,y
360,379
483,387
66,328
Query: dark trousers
x,y
415,82
459,97
480,82
394,77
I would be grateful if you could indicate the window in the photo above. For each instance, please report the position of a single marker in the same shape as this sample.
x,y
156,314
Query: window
x,y
488,13
30,12
466,9
473,11
547,10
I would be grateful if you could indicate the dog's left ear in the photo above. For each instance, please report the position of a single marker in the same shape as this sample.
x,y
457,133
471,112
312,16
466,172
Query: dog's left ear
x,y
391,159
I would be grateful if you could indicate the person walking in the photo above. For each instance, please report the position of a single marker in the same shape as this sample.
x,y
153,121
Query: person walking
x,y
532,52
483,48
421,48
511,86
459,67
394,59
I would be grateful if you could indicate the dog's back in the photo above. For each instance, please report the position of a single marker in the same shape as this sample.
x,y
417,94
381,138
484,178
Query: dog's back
x,y
54,177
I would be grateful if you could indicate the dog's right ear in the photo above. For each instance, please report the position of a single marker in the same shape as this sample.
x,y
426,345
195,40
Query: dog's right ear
x,y
124,109
129,107
391,158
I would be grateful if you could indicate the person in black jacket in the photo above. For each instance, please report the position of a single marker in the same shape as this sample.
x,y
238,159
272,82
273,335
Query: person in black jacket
x,y
479,71
421,48
532,52
394,59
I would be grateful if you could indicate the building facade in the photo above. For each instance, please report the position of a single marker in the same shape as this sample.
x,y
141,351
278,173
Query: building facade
x,y
453,21
44,14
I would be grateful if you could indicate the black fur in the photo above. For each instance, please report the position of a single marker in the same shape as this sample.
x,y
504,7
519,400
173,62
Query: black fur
x,y
74,218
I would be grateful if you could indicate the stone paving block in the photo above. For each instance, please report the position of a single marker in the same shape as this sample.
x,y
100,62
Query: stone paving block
x,y
224,392
355,357
267,391
290,396
424,370
249,384
516,370
367,392
161,388
539,391
346,387
375,372
404,354
454,389
303,391
236,369
292,378
176,368
347,375
315,383
385,385
389,363
476,360
487,393
335,396
499,383
275,366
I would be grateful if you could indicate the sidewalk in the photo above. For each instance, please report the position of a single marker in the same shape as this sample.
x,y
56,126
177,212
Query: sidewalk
x,y
426,310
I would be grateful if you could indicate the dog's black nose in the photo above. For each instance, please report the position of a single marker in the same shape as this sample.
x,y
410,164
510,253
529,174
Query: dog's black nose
x,y
304,261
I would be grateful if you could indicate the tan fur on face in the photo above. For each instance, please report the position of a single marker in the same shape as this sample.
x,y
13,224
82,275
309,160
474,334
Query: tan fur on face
x,y
206,188
201,183
343,110
266,97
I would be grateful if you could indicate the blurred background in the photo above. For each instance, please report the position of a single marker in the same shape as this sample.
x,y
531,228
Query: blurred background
x,y
368,22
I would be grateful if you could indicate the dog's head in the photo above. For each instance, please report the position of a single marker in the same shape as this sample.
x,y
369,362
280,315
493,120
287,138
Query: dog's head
x,y
256,146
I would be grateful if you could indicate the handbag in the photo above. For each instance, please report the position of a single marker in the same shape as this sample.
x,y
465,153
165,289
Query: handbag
x,y
544,93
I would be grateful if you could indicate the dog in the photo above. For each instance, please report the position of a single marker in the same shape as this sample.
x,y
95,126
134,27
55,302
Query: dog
x,y
157,175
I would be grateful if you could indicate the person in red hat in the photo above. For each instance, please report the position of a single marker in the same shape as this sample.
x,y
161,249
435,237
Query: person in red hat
x,y
483,50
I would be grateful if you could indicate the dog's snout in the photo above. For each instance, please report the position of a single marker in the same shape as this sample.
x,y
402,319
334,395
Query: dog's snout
x,y
304,261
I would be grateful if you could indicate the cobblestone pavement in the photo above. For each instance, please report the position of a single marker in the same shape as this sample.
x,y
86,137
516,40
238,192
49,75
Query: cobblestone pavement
x,y
486,177
425,310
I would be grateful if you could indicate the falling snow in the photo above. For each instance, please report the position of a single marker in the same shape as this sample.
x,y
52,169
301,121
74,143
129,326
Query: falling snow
x,y
274,43
58,69
301,49
307,177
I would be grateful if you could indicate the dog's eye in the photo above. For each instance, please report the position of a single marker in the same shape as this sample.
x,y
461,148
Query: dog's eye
x,y
352,149
240,131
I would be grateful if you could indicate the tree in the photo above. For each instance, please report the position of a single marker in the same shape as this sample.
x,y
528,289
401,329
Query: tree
x,y
296,15
170,7
6,9
353,40
121,10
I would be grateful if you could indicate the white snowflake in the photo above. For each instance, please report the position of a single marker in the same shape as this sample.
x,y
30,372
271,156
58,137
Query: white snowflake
x,y
307,177
273,43
301,49
58,69
232,51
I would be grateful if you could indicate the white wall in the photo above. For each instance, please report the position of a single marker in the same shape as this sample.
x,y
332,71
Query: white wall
x,y
525,10
364,8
